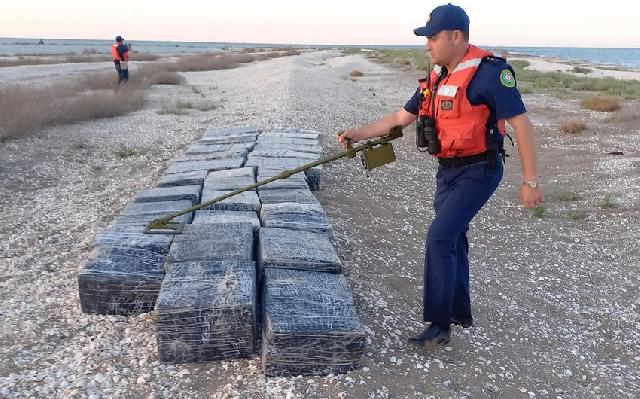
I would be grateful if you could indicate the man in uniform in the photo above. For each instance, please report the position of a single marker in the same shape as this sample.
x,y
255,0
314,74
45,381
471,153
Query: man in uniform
x,y
120,55
461,108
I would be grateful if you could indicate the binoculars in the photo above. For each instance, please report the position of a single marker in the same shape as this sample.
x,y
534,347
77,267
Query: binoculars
x,y
426,136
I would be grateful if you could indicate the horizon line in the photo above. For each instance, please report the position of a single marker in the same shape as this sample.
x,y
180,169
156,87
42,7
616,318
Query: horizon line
x,y
314,44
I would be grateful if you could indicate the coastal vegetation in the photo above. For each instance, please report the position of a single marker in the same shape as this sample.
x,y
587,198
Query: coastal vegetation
x,y
97,95
600,103
572,126
529,80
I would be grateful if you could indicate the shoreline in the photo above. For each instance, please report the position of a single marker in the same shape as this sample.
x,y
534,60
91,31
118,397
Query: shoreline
x,y
553,64
543,63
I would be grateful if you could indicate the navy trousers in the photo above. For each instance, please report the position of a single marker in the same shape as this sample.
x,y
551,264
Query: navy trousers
x,y
460,194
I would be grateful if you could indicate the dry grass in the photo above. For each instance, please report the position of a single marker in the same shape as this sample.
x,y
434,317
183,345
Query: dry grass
x,y
98,95
46,59
600,103
572,126
624,115
166,78
26,109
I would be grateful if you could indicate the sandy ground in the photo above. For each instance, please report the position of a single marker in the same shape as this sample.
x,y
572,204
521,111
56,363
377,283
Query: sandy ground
x,y
596,71
555,298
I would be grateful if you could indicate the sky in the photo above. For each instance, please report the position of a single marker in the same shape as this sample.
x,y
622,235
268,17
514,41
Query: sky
x,y
571,23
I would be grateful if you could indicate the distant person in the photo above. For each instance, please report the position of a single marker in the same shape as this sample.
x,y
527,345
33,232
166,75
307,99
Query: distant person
x,y
120,54
461,107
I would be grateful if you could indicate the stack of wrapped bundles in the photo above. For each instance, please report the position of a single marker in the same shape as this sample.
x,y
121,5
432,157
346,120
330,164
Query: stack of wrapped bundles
x,y
125,270
226,217
283,149
310,325
295,216
213,242
175,193
206,311
225,181
296,181
207,304
234,135
296,249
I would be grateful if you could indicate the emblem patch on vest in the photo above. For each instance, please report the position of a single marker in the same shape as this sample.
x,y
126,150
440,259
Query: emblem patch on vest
x,y
507,79
446,105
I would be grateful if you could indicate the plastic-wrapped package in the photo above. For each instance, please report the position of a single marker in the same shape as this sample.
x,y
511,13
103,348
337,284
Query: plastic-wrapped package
x,y
121,280
293,216
300,196
204,242
215,164
132,239
314,175
194,177
267,152
146,208
291,133
295,249
314,178
232,131
294,181
201,148
313,149
159,194
287,140
275,163
226,217
212,156
246,201
230,179
136,212
206,310
138,223
230,139
310,324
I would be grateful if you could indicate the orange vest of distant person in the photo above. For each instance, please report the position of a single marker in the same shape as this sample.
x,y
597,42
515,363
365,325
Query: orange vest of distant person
x,y
114,52
116,56
461,127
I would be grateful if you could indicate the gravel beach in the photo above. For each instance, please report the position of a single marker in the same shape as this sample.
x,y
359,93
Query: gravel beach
x,y
556,304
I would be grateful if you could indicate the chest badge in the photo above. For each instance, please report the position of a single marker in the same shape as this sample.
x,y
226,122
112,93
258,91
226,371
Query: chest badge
x,y
446,105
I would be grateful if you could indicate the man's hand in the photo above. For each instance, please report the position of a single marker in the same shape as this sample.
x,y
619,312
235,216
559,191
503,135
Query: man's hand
x,y
530,197
345,135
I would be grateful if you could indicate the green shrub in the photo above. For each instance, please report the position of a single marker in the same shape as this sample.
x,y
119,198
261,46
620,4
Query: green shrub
x,y
540,211
608,202
569,196
124,152
576,215
583,70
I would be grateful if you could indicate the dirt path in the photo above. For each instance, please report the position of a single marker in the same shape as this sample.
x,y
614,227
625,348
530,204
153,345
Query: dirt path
x,y
555,299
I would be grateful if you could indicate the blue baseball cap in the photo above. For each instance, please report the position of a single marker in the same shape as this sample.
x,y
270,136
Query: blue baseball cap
x,y
447,17
119,38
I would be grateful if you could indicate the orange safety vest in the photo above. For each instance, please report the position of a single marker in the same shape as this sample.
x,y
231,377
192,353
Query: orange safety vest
x,y
114,52
461,127
116,56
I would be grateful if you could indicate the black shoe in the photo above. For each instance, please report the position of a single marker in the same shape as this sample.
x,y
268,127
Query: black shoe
x,y
432,337
464,322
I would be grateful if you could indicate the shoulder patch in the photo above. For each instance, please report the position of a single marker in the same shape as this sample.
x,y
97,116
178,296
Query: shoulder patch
x,y
507,79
